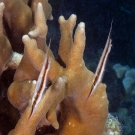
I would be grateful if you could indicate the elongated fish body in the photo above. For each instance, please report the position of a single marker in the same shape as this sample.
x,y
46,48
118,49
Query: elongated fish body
x,y
101,65
41,84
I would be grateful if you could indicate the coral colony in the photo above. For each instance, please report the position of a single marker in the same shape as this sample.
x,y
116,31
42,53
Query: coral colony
x,y
58,94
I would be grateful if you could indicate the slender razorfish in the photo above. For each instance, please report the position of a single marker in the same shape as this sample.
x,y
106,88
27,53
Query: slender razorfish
x,y
101,65
41,84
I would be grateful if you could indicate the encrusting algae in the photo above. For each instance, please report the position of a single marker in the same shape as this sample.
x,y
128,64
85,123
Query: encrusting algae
x,y
65,105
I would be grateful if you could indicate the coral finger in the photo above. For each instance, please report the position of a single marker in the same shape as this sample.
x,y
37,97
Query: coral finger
x,y
37,57
33,52
40,29
5,46
2,6
19,93
5,52
46,8
18,22
76,52
52,118
66,41
44,105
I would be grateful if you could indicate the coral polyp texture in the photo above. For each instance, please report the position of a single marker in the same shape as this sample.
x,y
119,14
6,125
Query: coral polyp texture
x,y
65,106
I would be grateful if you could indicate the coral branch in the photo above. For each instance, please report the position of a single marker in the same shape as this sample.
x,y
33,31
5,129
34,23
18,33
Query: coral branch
x,y
64,104
66,27
41,110
5,46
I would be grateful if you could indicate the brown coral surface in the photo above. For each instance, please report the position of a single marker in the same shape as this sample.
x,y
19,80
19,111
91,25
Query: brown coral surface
x,y
65,104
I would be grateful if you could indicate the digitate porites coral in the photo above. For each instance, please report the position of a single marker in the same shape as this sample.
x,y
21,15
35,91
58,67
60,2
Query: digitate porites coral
x,y
78,113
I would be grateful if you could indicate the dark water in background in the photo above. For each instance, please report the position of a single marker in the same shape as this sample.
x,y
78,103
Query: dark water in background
x,y
97,16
